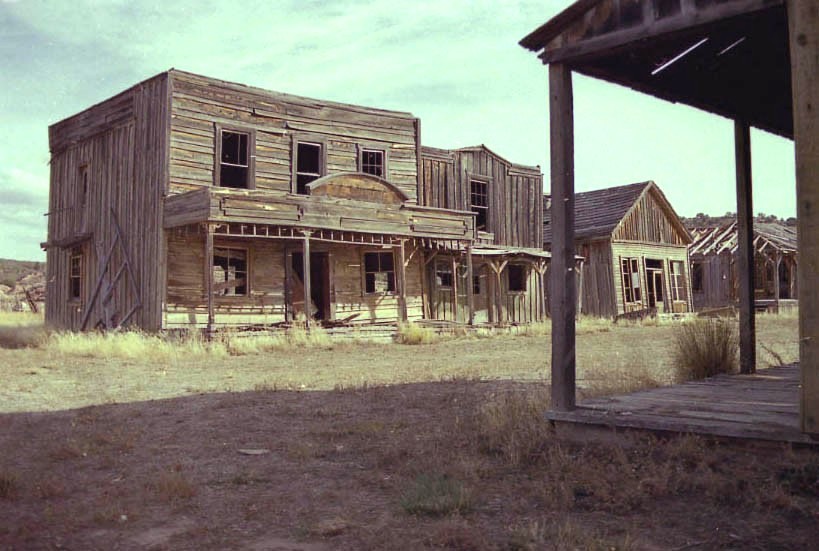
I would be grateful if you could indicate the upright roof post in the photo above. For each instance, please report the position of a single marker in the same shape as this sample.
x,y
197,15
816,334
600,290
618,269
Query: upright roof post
x,y
745,248
209,276
562,291
803,26
308,301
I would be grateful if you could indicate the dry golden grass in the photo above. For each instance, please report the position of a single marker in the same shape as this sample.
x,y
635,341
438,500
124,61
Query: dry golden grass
x,y
412,333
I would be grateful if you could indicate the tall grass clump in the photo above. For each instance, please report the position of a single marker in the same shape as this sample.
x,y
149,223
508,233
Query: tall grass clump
x,y
133,345
704,348
412,333
513,426
436,495
296,337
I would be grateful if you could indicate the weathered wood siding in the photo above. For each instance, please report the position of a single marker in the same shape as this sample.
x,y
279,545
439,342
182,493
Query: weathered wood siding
x,y
200,103
648,222
122,142
642,251
266,302
718,281
597,289
515,192
489,305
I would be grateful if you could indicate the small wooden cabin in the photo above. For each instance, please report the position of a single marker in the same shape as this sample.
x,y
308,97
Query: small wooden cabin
x,y
634,249
191,202
508,261
714,271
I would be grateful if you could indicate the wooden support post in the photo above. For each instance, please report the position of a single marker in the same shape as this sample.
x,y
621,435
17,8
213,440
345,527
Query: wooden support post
x,y
499,296
470,295
777,264
308,301
745,248
209,277
402,280
803,23
454,266
562,291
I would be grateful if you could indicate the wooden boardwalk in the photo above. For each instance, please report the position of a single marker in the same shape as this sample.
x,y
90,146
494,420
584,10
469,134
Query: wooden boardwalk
x,y
761,407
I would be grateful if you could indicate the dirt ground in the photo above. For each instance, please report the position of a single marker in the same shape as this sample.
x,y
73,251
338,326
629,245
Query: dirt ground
x,y
313,450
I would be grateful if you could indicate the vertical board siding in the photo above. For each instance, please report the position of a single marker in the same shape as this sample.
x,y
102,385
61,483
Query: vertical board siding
x,y
123,148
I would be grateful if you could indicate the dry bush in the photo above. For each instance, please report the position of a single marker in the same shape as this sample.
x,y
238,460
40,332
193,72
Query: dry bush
x,y
537,329
173,486
298,336
9,485
535,535
512,425
436,495
593,324
22,336
704,348
412,333
20,319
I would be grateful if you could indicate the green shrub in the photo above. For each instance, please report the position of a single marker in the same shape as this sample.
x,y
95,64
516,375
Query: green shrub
x,y
704,348
436,495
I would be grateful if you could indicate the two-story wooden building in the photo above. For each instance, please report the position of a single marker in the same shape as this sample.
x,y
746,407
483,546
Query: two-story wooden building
x,y
190,202
634,249
508,261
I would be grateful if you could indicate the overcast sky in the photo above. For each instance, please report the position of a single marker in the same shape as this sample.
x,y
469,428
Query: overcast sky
x,y
455,64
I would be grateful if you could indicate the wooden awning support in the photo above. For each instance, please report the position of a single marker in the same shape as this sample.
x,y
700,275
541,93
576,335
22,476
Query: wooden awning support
x,y
402,282
470,295
209,277
745,252
306,271
562,291
803,23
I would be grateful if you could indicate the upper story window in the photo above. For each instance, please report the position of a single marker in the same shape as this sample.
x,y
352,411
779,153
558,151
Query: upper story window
x,y
83,187
235,153
372,161
379,272
75,269
309,164
479,203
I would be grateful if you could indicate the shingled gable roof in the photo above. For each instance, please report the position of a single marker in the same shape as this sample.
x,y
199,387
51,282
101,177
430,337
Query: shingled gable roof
x,y
598,213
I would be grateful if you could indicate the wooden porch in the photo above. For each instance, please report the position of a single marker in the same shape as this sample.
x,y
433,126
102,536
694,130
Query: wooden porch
x,y
762,406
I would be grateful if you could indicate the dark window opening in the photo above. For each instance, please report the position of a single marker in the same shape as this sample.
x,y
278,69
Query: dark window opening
x,y
479,204
83,184
697,277
229,272
516,274
308,165
476,285
75,275
234,166
443,274
372,162
379,273
630,270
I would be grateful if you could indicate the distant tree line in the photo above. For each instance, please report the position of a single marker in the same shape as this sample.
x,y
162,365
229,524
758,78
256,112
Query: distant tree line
x,y
702,220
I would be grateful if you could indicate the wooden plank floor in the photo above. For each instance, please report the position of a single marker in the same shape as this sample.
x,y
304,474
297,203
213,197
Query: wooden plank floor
x,y
763,406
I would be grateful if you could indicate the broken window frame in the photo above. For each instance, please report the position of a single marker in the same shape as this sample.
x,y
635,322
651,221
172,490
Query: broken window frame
x,y
629,267
231,292
442,275
365,167
517,276
677,280
479,202
250,166
313,140
367,283
76,269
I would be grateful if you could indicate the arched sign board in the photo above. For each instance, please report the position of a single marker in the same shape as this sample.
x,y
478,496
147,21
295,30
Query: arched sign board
x,y
357,186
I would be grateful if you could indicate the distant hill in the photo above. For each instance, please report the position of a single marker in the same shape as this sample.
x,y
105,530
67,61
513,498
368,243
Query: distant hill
x,y
707,221
12,271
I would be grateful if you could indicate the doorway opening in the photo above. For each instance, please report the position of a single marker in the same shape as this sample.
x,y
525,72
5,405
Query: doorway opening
x,y
318,307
